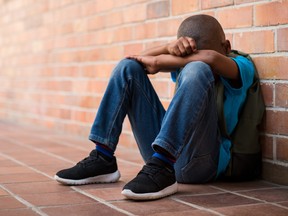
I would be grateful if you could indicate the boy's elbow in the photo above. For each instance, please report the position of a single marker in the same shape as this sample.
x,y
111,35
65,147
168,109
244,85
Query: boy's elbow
x,y
212,57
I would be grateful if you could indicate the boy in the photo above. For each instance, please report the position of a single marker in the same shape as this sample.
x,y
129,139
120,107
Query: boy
x,y
182,144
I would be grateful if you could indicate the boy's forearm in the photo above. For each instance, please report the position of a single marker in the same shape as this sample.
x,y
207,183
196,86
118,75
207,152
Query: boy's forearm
x,y
168,62
155,51
219,63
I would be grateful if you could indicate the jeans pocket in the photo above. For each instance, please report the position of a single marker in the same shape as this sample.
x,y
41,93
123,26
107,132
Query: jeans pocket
x,y
199,170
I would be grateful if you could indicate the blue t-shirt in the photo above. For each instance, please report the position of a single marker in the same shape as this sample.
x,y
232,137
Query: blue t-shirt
x,y
234,99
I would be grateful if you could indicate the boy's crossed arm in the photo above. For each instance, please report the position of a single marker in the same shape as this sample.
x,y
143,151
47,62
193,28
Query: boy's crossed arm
x,y
179,53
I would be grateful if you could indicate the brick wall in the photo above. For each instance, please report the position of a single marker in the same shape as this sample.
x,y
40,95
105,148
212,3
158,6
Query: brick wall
x,y
56,57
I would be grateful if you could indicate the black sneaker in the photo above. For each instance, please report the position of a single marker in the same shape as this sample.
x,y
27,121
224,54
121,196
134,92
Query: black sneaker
x,y
93,169
154,181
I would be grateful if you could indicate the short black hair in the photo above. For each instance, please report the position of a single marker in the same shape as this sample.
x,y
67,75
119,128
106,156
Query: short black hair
x,y
204,29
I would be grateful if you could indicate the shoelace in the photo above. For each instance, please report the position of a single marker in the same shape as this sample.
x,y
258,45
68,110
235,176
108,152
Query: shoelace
x,y
150,170
89,160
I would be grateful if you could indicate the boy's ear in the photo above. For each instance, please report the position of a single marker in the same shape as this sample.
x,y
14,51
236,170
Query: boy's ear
x,y
227,46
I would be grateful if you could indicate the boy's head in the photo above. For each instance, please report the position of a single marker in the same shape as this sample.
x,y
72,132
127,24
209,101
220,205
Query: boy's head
x,y
207,33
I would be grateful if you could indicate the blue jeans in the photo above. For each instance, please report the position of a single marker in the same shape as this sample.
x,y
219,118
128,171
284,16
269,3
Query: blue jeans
x,y
187,130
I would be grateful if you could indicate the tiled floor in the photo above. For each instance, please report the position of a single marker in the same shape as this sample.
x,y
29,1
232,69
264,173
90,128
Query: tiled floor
x,y
29,158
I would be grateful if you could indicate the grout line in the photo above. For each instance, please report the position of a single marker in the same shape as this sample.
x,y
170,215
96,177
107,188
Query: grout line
x,y
198,207
250,197
101,201
26,203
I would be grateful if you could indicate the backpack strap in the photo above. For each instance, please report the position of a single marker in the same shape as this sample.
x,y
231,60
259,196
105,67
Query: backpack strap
x,y
219,88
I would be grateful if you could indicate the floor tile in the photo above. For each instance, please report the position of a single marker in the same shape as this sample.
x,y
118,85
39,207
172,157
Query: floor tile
x,y
3,192
14,170
185,213
24,177
37,187
285,204
153,207
269,195
217,200
192,189
255,210
240,186
8,202
55,199
82,209
18,212
107,194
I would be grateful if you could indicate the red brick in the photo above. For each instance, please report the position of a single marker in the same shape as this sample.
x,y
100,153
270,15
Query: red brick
x,y
263,41
134,13
268,91
161,88
88,8
282,149
272,13
82,116
245,1
103,37
114,18
235,17
102,6
171,27
282,39
113,53
96,22
215,3
133,49
145,30
98,86
127,140
281,95
99,70
90,55
267,147
122,34
276,122
158,9
182,6
272,67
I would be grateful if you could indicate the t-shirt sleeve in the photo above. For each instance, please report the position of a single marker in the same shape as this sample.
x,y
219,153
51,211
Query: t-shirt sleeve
x,y
246,70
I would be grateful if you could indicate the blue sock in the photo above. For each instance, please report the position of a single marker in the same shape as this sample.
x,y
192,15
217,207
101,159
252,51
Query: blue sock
x,y
104,150
164,158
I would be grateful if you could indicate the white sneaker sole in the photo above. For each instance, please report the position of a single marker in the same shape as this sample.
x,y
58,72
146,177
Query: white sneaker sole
x,y
151,196
107,178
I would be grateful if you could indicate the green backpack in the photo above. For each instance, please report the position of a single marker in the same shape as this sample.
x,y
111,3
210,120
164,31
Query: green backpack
x,y
246,156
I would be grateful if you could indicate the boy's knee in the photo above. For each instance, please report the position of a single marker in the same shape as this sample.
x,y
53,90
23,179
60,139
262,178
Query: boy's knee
x,y
128,68
197,71
130,64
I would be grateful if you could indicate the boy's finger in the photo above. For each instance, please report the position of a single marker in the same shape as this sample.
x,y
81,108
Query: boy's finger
x,y
187,47
182,49
192,43
176,51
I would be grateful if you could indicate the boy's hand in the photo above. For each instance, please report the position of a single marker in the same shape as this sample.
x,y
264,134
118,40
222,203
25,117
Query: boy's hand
x,y
148,62
183,46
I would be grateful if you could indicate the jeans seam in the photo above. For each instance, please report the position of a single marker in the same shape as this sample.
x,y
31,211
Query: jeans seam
x,y
116,115
144,93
